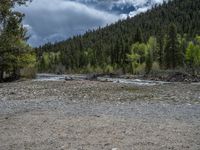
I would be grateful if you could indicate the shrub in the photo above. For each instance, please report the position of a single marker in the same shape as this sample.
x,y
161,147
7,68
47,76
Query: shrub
x,y
140,69
108,69
98,70
28,72
60,69
155,67
88,69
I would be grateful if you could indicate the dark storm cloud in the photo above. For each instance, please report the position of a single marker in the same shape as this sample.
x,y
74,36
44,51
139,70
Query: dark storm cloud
x,y
58,19
54,20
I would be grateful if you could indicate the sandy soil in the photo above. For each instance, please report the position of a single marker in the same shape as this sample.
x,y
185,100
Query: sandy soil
x,y
89,115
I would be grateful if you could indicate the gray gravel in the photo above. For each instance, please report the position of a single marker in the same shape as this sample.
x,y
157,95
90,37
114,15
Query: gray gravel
x,y
95,115
158,111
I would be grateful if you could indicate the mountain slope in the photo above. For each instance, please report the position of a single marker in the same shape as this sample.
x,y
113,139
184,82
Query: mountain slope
x,y
185,14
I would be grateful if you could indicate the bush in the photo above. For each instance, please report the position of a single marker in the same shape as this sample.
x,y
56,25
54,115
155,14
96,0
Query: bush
x,y
88,69
28,72
108,69
155,67
60,69
140,69
98,70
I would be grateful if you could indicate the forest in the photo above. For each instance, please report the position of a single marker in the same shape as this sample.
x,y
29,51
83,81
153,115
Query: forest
x,y
167,37
163,38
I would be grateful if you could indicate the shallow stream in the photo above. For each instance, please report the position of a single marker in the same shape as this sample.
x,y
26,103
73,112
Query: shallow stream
x,y
54,77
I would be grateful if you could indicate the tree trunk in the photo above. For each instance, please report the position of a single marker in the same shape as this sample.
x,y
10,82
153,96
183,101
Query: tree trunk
x,y
1,75
16,74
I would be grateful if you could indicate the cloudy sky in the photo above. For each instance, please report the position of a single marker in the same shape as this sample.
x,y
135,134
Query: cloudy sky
x,y
55,20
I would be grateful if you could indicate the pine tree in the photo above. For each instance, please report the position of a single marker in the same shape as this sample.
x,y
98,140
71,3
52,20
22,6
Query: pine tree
x,y
138,36
182,46
107,44
151,49
172,56
161,46
149,61
13,48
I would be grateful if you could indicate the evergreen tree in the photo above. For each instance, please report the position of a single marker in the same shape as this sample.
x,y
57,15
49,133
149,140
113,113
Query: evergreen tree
x,y
172,54
138,36
151,54
111,44
152,44
161,48
183,43
13,49
149,61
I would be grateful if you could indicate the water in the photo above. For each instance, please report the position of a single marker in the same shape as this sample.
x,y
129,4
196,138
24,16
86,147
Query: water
x,y
132,81
50,77
54,77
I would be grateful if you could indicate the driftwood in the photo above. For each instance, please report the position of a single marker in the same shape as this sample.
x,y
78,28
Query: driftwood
x,y
92,77
175,76
67,78
95,76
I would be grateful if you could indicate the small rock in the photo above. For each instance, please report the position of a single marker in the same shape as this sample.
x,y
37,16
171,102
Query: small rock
x,y
68,78
107,144
12,93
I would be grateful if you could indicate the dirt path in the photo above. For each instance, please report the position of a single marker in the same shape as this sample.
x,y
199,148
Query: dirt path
x,y
93,115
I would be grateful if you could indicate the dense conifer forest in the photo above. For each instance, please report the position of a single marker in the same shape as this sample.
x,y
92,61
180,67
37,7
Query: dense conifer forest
x,y
165,37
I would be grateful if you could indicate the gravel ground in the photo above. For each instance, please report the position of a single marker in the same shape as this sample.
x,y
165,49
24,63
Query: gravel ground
x,y
84,115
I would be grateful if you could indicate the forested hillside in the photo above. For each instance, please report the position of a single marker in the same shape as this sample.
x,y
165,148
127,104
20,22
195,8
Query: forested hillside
x,y
165,37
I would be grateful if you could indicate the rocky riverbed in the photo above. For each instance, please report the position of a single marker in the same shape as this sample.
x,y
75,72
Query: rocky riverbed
x,y
75,115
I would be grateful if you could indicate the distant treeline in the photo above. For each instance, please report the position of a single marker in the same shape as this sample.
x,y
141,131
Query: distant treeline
x,y
165,37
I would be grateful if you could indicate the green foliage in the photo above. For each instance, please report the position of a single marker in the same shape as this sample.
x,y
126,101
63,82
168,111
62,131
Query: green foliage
x,y
88,69
193,54
149,61
138,36
140,69
108,69
15,53
89,57
159,35
161,44
28,72
50,62
98,69
25,58
172,51
153,48
151,54
183,43
140,50
155,67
